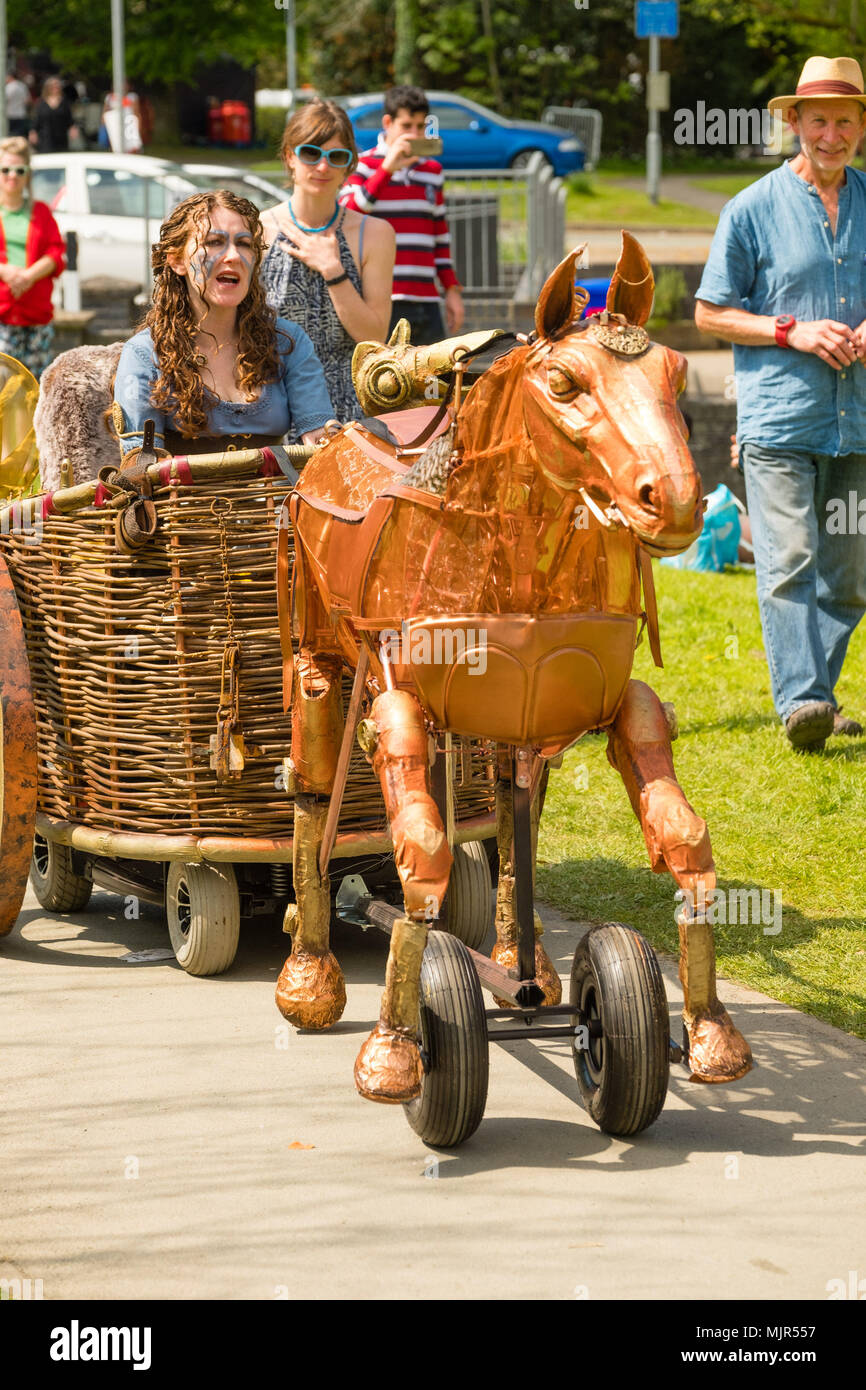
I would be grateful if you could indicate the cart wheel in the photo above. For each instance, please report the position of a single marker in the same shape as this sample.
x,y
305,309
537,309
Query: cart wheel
x,y
17,757
470,908
204,916
454,1039
56,884
623,1074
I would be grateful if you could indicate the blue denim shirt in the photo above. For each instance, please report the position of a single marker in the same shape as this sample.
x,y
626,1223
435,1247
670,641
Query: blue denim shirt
x,y
295,403
774,253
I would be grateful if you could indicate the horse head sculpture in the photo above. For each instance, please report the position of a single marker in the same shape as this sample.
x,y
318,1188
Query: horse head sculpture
x,y
515,522
605,388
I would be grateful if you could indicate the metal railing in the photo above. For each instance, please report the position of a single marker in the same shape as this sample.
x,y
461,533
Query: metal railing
x,y
507,228
584,122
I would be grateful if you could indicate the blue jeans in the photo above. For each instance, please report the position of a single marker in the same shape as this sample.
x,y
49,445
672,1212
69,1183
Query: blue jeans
x,y
811,576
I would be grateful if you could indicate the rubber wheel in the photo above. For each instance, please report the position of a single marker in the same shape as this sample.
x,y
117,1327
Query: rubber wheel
x,y
17,757
623,1075
521,161
204,916
469,901
454,1040
56,884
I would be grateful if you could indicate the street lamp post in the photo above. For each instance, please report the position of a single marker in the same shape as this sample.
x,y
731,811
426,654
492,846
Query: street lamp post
x,y
4,58
291,52
118,74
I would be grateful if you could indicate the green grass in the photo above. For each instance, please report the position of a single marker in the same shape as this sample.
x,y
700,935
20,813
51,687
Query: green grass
x,y
728,184
778,820
681,160
599,198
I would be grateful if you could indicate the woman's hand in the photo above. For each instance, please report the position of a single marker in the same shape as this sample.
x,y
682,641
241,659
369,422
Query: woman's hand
x,y
323,434
320,252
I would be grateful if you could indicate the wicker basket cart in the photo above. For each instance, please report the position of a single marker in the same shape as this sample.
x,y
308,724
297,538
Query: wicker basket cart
x,y
143,732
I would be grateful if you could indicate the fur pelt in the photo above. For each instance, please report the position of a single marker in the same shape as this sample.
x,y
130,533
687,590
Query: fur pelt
x,y
74,393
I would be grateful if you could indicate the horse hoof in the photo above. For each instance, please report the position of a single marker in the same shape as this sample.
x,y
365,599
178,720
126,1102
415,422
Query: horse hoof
x,y
388,1067
718,1052
545,975
311,990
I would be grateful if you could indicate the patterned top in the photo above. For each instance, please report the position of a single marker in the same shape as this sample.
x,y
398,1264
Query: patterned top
x,y
299,293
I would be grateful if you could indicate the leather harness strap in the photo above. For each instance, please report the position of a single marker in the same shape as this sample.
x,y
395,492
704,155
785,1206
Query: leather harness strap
x,y
285,594
651,609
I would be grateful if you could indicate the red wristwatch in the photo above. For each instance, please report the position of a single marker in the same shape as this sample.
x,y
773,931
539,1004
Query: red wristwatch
x,y
784,324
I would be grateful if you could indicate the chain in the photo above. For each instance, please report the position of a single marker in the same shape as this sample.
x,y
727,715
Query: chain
x,y
231,659
224,561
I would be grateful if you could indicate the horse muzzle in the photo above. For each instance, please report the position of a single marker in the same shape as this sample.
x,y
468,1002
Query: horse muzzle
x,y
666,516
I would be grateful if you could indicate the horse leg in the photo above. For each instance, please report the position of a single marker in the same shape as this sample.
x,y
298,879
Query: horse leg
x,y
388,1067
639,747
505,950
311,990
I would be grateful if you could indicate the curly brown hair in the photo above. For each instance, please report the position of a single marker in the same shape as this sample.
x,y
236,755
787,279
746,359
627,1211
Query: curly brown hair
x,y
173,324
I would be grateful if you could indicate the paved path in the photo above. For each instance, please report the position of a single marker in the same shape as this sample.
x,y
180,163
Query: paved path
x,y
681,188
711,373
113,1070
663,245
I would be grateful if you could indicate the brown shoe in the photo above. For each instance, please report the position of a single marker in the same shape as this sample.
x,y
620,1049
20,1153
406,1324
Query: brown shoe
x,y
809,727
848,727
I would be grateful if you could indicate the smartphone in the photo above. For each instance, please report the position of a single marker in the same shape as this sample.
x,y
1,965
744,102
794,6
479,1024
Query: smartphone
x,y
424,147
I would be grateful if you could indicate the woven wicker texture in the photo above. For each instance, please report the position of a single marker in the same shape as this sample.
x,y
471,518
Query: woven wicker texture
x,y
126,656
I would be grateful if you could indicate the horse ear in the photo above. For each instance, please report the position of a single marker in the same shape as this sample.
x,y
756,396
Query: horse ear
x,y
632,287
401,335
557,304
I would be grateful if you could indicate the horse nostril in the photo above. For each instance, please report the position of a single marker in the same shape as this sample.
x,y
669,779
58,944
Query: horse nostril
x,y
647,496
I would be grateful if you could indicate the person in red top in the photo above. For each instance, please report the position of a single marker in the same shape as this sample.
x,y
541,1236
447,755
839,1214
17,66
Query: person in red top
x,y
32,254
390,182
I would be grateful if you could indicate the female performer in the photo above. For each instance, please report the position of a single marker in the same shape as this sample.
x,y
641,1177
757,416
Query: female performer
x,y
214,367
328,268
31,257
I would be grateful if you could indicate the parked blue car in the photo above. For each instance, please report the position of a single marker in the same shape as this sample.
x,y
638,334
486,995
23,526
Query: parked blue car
x,y
474,137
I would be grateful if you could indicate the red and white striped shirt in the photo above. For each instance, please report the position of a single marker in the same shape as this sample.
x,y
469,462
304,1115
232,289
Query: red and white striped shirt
x,y
413,202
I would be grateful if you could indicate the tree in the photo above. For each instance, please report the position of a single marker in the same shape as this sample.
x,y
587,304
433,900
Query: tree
x,y
166,40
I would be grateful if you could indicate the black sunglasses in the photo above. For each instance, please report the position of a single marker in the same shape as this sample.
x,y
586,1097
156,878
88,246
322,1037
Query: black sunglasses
x,y
312,154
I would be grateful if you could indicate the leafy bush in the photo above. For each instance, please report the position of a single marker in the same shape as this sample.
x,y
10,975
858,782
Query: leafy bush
x,y
671,290
270,124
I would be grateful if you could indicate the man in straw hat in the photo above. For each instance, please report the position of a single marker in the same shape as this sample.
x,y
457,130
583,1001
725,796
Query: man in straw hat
x,y
785,282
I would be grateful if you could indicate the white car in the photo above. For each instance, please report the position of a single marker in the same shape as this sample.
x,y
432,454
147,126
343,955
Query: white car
x,y
116,202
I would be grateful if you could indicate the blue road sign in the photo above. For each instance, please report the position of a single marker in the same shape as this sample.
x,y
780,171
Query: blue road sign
x,y
657,19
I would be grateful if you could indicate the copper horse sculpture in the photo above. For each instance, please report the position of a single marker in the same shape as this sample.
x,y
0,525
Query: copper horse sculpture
x,y
562,471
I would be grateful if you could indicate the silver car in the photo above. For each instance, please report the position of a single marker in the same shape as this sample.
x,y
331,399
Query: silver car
x,y
116,202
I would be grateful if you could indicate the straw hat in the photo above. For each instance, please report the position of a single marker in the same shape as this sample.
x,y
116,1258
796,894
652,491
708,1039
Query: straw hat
x,y
822,78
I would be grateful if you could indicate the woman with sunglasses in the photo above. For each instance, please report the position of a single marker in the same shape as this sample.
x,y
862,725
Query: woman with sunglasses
x,y
327,268
31,257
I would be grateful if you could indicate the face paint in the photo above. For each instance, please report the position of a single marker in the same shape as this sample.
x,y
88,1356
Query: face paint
x,y
206,259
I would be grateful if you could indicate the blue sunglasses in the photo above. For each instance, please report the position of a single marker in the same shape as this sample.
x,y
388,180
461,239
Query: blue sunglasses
x,y
312,154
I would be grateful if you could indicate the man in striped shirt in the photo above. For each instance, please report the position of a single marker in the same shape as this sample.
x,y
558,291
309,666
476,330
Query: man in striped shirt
x,y
393,183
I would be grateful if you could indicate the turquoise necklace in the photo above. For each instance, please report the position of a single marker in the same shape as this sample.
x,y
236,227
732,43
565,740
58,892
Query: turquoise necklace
x,y
325,225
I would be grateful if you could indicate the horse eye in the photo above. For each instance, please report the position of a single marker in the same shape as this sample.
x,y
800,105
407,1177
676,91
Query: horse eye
x,y
561,383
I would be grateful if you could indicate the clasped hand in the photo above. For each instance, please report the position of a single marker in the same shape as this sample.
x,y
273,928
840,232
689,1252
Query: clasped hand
x,y
17,278
835,343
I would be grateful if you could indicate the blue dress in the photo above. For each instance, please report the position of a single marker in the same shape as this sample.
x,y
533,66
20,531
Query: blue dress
x,y
297,402
300,293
